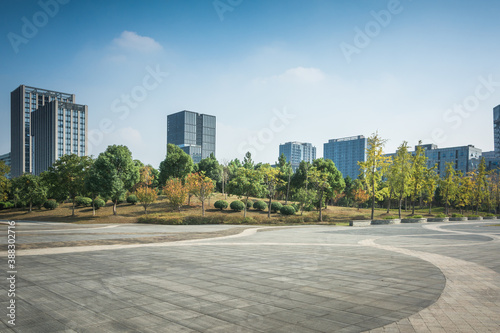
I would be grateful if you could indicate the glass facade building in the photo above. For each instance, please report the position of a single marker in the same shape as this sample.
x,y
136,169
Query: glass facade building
x,y
24,101
295,152
193,132
346,153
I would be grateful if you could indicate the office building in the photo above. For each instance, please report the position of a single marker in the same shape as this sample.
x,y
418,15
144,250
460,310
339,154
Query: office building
x,y
57,129
296,152
193,132
346,153
24,101
464,158
496,126
6,159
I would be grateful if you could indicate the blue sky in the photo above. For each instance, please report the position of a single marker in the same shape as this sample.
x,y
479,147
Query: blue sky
x,y
271,71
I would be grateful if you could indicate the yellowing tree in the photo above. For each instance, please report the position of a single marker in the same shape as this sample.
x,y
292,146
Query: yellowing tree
x,y
175,192
145,193
360,197
373,168
201,187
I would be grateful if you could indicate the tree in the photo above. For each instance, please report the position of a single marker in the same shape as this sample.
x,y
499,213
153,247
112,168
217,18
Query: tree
x,y
271,181
177,164
211,169
300,177
373,168
431,179
448,186
66,177
201,187
176,192
360,196
30,189
305,197
402,167
4,181
246,183
480,188
319,182
146,193
334,177
464,191
418,167
115,173
248,163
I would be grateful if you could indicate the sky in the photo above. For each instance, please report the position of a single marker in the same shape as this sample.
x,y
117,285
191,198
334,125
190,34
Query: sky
x,y
270,71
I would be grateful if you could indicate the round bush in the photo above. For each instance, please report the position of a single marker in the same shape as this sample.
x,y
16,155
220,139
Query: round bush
x,y
132,199
221,204
50,204
237,206
98,203
249,204
260,205
83,201
287,210
276,206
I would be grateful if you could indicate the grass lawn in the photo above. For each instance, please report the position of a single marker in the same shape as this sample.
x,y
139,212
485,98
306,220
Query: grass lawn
x,y
130,213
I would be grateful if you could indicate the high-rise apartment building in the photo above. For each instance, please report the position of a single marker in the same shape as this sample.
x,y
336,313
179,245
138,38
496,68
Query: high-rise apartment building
x,y
193,132
57,129
295,152
346,153
496,124
24,101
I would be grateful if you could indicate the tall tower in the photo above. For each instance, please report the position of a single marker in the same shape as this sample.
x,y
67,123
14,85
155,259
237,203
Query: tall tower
x,y
496,124
346,153
193,132
296,152
24,101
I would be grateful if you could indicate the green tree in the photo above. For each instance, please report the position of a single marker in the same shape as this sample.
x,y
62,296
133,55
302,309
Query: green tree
x,y
448,186
31,190
66,177
286,173
319,182
271,181
211,168
480,185
334,177
177,164
431,179
4,181
201,187
248,163
246,183
402,165
117,173
373,168
418,168
176,192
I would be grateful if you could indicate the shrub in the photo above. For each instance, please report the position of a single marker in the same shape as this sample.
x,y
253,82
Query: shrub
x,y
309,208
391,217
456,215
6,205
249,203
132,199
287,210
489,214
473,216
83,201
221,204
260,205
296,207
98,203
440,215
276,206
50,204
417,217
237,206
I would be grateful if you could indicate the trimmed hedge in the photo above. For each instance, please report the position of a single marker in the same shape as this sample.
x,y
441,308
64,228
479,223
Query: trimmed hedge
x,y
276,206
132,199
260,205
98,203
249,203
50,204
440,215
221,204
237,206
287,210
456,215
83,202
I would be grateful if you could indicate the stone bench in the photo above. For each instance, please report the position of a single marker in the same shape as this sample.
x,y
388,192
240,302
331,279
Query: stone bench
x,y
381,222
419,220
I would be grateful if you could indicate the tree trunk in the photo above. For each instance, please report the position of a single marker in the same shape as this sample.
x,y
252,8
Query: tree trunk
x,y
73,208
245,209
400,204
373,199
388,204
203,208
189,199
430,207
413,207
115,203
31,206
269,210
93,207
287,189
406,203
321,208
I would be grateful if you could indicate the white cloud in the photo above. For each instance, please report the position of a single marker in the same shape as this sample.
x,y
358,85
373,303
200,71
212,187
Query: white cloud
x,y
132,41
297,75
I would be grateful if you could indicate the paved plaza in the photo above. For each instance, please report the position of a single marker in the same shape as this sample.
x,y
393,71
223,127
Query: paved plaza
x,y
434,277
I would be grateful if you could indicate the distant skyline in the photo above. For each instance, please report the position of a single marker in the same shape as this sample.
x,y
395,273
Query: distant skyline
x,y
270,71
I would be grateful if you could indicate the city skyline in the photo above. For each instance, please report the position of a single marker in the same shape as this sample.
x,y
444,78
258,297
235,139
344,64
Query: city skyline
x,y
270,72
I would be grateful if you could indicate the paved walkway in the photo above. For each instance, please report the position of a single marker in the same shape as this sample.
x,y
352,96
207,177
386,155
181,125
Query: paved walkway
x,y
408,278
